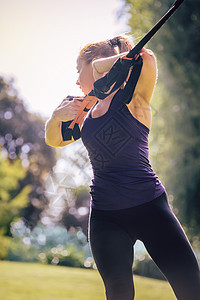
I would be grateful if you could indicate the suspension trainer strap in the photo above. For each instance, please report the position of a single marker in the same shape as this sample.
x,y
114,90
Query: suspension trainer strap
x,y
132,81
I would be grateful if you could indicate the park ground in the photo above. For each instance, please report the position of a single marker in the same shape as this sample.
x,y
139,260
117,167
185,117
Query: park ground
x,y
33,281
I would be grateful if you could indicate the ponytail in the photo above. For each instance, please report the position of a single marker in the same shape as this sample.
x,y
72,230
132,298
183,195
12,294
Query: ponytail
x,y
110,47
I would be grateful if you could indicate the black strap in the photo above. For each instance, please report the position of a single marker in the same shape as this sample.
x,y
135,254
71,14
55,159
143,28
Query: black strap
x,y
136,50
132,81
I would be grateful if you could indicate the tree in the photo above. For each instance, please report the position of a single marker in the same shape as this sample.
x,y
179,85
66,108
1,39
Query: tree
x,y
175,137
24,152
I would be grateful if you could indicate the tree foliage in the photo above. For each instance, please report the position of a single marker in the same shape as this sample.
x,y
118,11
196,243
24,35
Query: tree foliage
x,y
25,159
175,136
11,200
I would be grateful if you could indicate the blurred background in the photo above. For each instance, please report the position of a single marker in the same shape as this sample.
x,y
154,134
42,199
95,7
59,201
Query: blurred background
x,y
44,191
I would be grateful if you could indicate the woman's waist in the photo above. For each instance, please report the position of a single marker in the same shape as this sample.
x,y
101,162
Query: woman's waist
x,y
118,169
128,188
124,177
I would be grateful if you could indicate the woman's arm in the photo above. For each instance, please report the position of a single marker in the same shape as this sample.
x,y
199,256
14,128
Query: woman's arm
x,y
66,111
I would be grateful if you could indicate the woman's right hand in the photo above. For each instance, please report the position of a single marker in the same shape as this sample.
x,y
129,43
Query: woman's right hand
x,y
68,109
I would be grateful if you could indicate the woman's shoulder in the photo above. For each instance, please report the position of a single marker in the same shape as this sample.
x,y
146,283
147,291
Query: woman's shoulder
x,y
148,76
149,59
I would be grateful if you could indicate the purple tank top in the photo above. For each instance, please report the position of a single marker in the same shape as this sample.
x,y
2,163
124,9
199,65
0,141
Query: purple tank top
x,y
117,145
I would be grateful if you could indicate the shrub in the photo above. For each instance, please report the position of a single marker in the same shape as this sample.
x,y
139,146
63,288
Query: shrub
x,y
17,251
47,244
65,257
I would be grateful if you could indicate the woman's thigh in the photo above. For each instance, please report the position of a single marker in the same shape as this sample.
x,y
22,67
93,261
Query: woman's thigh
x,y
112,250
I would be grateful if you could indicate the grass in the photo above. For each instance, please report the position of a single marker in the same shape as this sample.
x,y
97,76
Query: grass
x,y
22,281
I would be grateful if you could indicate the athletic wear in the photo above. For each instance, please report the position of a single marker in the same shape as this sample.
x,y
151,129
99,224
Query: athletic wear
x,y
129,203
117,145
113,233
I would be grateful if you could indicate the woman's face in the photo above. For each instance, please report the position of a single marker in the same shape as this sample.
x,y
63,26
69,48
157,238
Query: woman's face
x,y
85,79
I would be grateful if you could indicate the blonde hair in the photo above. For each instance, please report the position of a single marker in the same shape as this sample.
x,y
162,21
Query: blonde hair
x,y
110,47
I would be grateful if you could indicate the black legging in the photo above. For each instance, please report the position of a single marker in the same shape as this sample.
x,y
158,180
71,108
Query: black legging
x,y
112,235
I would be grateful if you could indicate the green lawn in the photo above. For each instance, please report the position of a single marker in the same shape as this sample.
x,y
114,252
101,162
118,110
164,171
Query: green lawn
x,y
30,281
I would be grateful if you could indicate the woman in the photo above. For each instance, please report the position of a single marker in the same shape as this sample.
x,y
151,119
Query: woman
x,y
128,200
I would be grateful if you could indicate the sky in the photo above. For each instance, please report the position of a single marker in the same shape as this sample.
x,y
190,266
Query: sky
x,y
40,41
